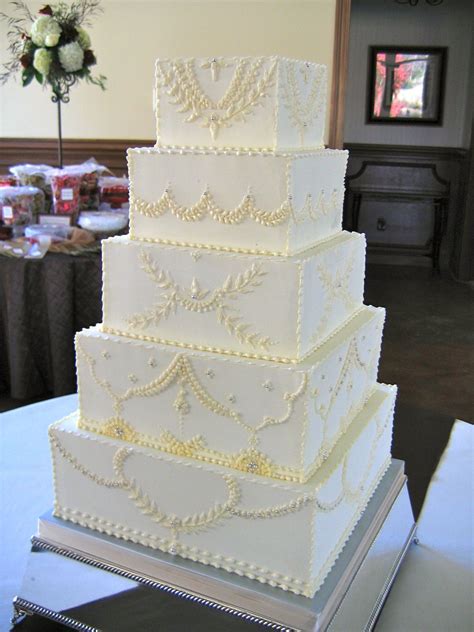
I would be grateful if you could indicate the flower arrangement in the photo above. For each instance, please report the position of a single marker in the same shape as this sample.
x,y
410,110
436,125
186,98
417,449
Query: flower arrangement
x,y
53,47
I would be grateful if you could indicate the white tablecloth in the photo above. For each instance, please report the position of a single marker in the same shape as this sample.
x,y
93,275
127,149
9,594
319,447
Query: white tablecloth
x,y
25,487
431,594
434,590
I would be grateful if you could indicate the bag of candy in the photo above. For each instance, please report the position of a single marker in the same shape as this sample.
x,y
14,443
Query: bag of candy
x,y
7,180
113,194
88,172
35,176
66,192
20,205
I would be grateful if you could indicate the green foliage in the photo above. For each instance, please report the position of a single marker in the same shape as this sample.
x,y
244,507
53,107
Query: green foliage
x,y
27,76
21,48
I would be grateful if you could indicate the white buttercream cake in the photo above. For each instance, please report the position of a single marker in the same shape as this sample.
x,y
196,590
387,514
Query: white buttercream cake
x,y
229,410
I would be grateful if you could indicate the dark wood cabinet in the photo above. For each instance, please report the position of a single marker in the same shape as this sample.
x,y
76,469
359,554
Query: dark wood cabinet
x,y
407,200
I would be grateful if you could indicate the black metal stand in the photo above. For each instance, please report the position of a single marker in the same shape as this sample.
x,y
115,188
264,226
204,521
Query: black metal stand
x,y
60,137
61,94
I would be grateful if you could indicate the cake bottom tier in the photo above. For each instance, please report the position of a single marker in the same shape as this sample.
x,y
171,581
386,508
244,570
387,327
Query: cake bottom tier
x,y
281,533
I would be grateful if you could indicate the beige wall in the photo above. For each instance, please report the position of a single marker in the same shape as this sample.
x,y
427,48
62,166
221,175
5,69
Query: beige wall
x,y
131,34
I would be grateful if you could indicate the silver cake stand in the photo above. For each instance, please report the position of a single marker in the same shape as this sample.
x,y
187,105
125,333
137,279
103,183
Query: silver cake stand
x,y
92,582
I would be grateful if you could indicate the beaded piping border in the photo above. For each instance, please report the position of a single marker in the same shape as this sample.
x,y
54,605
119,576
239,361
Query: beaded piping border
x,y
230,249
293,154
322,245
227,352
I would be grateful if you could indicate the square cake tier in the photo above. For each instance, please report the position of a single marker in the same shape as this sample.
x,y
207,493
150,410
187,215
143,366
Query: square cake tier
x,y
276,308
240,102
254,202
267,418
282,533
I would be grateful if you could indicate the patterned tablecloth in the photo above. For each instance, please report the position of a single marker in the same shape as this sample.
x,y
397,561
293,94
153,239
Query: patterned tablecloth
x,y
42,304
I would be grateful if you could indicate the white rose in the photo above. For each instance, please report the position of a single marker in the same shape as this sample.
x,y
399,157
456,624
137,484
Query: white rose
x,y
71,56
45,31
52,39
42,60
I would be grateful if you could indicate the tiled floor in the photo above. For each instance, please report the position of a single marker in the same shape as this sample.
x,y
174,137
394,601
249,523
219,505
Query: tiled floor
x,y
429,352
7,403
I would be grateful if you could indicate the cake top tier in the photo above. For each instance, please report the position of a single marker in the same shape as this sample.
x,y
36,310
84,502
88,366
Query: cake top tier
x,y
260,103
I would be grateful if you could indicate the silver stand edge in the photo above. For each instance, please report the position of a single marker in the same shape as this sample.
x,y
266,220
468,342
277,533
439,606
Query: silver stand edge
x,y
389,582
23,608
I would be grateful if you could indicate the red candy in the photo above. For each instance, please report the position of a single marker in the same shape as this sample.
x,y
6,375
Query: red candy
x,y
66,193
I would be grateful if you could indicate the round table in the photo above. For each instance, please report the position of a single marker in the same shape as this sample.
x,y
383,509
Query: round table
x,y
43,303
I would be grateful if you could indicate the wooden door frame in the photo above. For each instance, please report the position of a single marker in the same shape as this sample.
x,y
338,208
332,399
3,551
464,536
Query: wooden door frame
x,y
339,73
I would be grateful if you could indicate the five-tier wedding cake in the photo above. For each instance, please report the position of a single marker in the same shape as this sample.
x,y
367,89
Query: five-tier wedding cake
x,y
229,410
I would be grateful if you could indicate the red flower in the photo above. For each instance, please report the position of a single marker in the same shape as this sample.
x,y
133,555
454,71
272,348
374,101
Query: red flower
x,y
46,10
89,58
25,60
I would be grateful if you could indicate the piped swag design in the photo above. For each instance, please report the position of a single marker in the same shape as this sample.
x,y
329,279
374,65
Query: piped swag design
x,y
229,508
247,209
180,371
